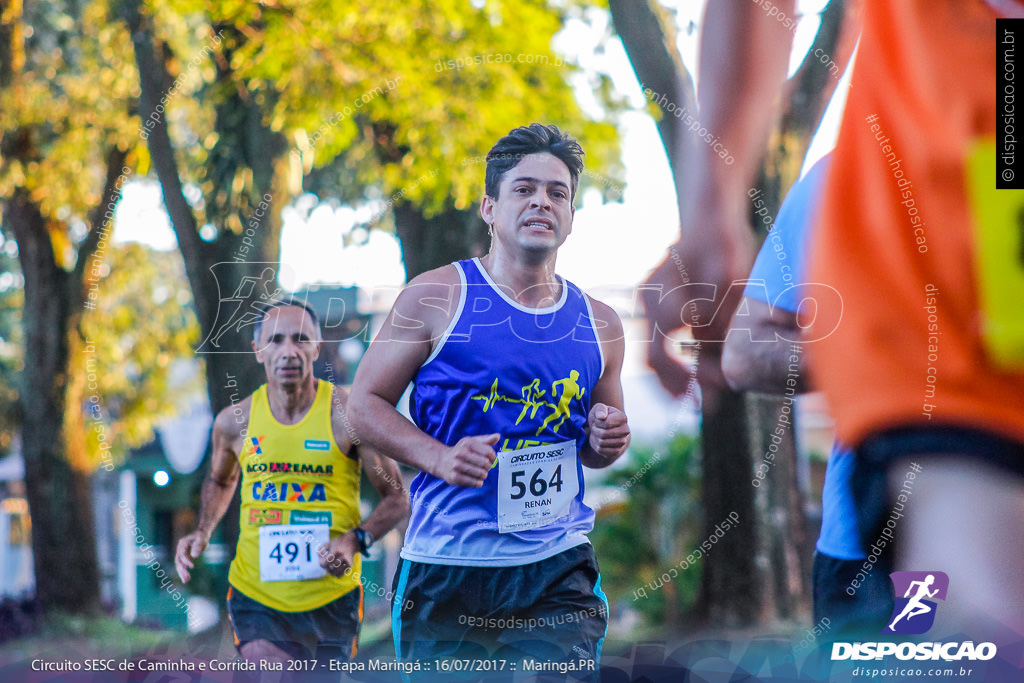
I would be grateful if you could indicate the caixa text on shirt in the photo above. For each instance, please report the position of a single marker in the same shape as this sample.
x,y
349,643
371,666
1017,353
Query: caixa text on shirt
x,y
288,491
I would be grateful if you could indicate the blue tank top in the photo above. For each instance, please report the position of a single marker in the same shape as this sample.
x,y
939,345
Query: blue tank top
x,y
528,375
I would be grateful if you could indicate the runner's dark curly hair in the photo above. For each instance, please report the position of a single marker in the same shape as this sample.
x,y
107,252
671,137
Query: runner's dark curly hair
x,y
533,139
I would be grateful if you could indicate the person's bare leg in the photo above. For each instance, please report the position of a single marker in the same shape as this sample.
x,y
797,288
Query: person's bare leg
x,y
965,517
264,650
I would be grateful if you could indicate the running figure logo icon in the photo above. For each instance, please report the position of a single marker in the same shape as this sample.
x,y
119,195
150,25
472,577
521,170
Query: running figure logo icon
x,y
914,612
533,398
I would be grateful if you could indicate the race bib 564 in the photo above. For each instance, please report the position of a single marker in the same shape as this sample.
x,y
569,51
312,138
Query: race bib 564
x,y
536,485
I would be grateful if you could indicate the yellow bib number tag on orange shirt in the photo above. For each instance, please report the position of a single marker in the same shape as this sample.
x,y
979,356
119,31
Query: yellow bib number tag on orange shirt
x,y
999,256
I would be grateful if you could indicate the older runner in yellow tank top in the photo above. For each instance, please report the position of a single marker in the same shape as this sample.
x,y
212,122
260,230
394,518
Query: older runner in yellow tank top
x,y
295,583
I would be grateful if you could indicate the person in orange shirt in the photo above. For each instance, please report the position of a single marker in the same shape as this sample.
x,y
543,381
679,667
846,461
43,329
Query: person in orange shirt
x,y
916,373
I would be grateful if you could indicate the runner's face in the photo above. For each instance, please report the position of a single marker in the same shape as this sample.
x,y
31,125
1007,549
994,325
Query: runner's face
x,y
289,343
534,210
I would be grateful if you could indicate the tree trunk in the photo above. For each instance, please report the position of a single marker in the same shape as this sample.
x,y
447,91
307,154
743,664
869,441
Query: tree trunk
x,y
58,490
230,275
648,34
808,93
429,243
732,586
235,271
783,540
57,477
783,551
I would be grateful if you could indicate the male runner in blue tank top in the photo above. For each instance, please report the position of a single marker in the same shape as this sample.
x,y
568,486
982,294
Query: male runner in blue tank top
x,y
516,387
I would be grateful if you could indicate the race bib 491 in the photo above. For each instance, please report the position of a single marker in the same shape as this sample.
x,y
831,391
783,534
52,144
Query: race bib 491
x,y
288,552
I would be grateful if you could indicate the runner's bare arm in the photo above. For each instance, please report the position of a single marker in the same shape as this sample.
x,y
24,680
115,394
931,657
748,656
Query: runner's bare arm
x,y
218,487
607,427
737,105
760,361
339,554
413,328
384,476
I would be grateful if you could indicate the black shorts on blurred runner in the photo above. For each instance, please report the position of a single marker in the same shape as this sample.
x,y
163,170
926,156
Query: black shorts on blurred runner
x,y
881,451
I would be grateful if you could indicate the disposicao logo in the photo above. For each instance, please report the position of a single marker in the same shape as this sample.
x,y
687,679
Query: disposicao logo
x,y
914,614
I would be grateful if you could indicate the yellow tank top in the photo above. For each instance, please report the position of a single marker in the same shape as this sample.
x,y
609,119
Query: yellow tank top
x,y
298,489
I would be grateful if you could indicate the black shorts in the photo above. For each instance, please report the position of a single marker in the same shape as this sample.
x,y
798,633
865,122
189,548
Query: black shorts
x,y
880,451
548,611
328,632
867,610
884,448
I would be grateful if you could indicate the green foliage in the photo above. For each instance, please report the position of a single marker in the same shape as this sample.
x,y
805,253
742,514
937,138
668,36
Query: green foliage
x,y
65,101
136,357
368,95
653,529
68,100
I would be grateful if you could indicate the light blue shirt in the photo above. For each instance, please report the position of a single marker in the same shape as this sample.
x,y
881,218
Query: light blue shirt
x,y
777,279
